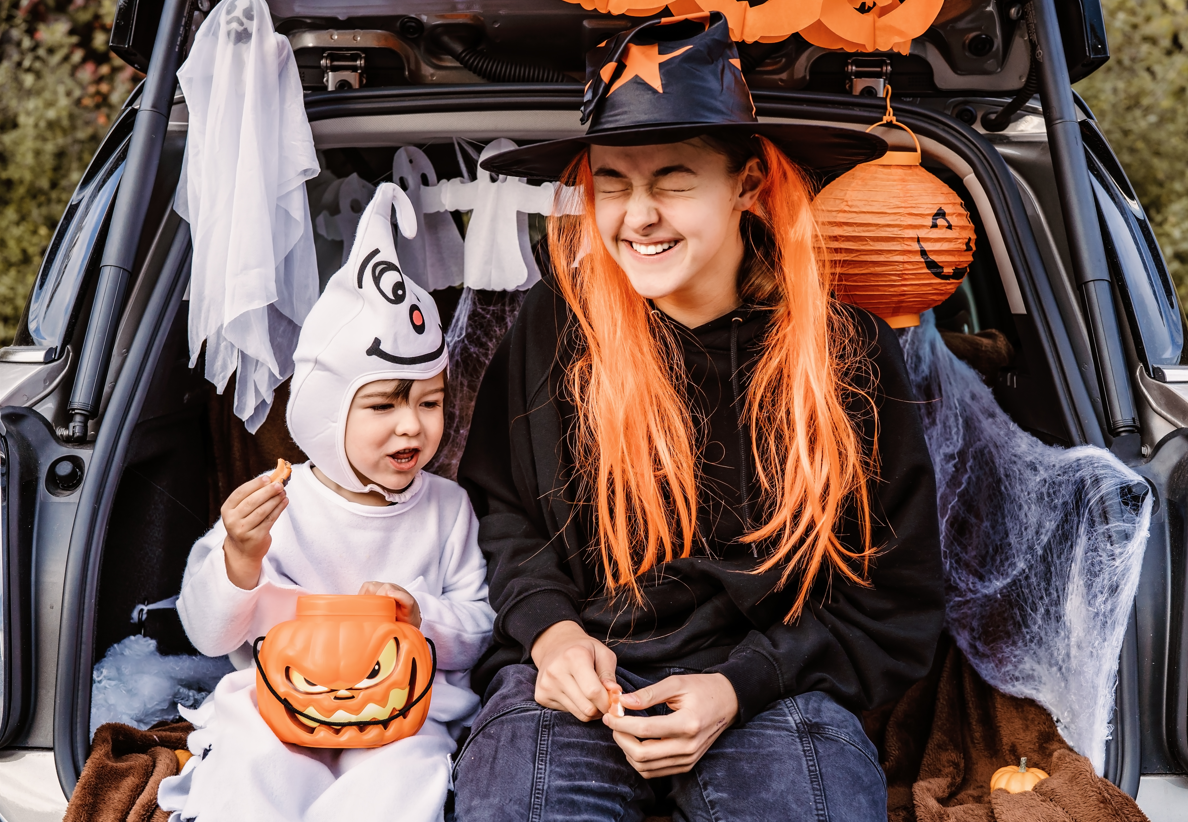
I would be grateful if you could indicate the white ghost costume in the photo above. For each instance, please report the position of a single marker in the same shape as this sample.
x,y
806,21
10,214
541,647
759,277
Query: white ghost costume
x,y
370,324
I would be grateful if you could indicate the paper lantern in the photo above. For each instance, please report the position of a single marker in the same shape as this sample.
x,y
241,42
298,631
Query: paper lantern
x,y
853,25
344,674
899,240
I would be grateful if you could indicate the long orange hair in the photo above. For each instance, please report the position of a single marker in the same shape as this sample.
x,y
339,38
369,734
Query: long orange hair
x,y
634,436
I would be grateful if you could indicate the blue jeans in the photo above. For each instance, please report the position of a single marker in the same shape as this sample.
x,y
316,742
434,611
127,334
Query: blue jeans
x,y
804,758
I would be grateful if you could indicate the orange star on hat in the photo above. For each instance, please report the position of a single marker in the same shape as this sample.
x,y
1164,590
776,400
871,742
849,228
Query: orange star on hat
x,y
643,62
700,91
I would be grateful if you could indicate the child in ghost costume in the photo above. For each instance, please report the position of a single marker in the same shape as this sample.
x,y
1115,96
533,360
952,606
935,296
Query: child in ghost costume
x,y
366,519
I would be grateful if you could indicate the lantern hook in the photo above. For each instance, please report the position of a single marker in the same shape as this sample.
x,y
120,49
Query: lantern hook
x,y
895,158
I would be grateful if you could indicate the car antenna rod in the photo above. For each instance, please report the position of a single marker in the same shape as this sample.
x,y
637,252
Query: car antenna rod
x,y
128,216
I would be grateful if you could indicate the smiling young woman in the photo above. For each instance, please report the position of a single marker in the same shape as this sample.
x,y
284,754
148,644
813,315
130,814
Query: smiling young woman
x,y
686,488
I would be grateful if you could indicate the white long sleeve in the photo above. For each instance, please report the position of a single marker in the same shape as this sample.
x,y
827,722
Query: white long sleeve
x,y
323,544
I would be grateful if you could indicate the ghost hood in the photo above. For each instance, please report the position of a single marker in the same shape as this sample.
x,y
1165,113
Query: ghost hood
x,y
371,323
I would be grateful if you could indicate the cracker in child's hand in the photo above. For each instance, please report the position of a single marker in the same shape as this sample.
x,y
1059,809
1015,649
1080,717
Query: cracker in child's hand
x,y
283,471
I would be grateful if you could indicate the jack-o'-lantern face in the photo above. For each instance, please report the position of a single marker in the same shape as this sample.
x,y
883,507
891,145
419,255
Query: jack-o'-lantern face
x,y
948,247
344,674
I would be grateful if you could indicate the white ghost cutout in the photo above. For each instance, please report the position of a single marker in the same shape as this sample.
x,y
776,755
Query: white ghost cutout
x,y
434,258
498,256
350,196
371,323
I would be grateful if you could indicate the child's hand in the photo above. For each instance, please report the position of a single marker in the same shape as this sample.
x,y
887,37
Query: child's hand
x,y
248,515
407,609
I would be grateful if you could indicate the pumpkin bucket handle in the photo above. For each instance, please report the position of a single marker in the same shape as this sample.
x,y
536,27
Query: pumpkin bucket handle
x,y
403,712
895,158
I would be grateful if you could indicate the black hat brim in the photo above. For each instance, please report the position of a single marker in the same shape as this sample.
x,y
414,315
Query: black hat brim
x,y
816,148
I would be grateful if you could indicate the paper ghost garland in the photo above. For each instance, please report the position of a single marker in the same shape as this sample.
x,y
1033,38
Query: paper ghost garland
x,y
249,151
434,258
497,255
350,196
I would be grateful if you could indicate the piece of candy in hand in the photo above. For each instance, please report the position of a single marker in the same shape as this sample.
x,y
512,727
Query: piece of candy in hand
x,y
282,473
615,692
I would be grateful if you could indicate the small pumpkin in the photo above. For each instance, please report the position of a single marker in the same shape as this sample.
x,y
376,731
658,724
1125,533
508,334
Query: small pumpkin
x,y
1017,779
344,674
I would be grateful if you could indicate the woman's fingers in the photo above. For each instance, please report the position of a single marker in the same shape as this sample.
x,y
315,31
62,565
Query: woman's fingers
x,y
678,724
562,689
559,698
658,757
588,683
654,694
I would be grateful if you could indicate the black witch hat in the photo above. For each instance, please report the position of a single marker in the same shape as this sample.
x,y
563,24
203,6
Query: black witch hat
x,y
674,79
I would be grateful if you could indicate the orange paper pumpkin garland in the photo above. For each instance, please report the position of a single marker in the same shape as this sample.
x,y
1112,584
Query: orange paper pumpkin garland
x,y
344,674
898,239
853,25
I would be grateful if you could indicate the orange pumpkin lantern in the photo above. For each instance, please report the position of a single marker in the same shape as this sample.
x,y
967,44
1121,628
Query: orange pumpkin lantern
x,y
900,241
1017,780
344,674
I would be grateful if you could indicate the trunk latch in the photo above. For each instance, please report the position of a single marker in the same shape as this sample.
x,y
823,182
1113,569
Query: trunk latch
x,y
343,70
867,76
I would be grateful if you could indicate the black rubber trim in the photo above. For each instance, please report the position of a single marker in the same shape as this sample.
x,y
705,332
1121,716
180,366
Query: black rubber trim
x,y
72,714
20,477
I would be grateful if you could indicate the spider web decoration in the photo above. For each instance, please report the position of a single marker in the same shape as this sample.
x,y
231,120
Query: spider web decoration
x,y
479,324
1042,547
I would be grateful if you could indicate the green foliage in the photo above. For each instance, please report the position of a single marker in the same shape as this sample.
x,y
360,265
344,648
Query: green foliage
x,y
59,92
1140,97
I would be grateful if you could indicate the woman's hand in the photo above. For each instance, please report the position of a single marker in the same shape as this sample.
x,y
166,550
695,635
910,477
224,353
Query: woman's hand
x,y
573,670
703,705
407,608
248,515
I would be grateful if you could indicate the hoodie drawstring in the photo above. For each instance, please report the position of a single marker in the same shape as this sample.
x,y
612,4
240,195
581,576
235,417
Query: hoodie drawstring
x,y
743,438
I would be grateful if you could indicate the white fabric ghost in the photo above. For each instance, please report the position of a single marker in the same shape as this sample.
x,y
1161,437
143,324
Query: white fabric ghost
x,y
371,323
434,257
349,196
249,151
498,256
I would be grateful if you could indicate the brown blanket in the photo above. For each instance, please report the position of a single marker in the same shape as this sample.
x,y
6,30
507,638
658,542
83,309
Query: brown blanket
x,y
945,738
120,780
939,746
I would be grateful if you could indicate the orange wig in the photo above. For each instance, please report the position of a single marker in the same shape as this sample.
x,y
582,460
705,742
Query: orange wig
x,y
634,436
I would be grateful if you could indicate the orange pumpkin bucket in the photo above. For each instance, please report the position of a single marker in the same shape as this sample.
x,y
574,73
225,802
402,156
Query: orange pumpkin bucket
x,y
900,241
344,674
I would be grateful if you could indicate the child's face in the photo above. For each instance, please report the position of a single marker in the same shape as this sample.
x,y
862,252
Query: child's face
x,y
388,441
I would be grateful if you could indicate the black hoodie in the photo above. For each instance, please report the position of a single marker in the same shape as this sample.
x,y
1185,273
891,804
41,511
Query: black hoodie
x,y
862,645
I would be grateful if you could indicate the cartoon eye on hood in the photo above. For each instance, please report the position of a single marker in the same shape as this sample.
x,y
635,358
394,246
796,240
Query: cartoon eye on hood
x,y
387,279
373,322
